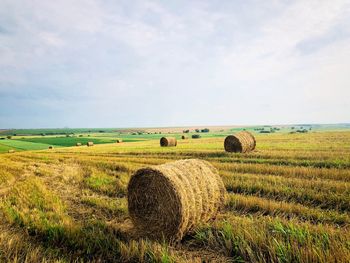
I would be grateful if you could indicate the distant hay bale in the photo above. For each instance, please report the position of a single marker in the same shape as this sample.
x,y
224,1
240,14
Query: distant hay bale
x,y
168,141
119,141
50,147
168,200
184,137
11,151
90,144
196,136
240,142
78,144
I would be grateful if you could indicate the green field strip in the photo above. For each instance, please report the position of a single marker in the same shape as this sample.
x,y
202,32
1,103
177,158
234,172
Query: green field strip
x,y
22,145
5,148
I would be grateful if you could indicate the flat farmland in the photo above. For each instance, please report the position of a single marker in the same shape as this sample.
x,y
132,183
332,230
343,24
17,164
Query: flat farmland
x,y
19,145
289,201
5,148
71,141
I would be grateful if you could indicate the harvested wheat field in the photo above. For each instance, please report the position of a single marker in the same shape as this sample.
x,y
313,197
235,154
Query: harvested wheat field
x,y
287,201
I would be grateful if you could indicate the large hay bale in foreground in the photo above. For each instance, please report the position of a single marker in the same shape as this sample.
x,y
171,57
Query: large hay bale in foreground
x,y
90,144
168,200
168,141
240,142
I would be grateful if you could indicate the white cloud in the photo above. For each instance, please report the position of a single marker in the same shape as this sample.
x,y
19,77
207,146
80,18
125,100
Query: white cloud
x,y
51,39
180,57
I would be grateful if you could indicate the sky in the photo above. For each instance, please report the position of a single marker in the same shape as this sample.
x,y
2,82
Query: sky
x,y
116,63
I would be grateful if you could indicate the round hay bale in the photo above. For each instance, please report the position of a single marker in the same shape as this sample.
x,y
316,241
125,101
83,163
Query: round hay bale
x,y
78,144
168,141
119,141
90,144
184,137
50,147
240,142
168,200
11,151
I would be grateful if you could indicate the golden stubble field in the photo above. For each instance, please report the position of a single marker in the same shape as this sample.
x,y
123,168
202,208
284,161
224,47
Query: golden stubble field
x,y
289,201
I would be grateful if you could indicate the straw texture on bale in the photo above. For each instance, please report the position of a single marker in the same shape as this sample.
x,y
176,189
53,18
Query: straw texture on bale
x,y
168,200
90,144
184,137
168,141
240,142
78,144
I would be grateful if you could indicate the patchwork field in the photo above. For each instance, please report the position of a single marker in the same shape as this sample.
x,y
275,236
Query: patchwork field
x,y
67,141
21,143
18,145
289,201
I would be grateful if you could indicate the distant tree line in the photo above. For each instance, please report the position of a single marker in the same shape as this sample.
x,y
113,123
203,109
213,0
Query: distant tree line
x,y
197,130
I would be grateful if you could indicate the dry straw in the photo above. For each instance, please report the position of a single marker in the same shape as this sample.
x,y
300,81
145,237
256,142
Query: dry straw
x,y
240,142
90,144
168,141
168,200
